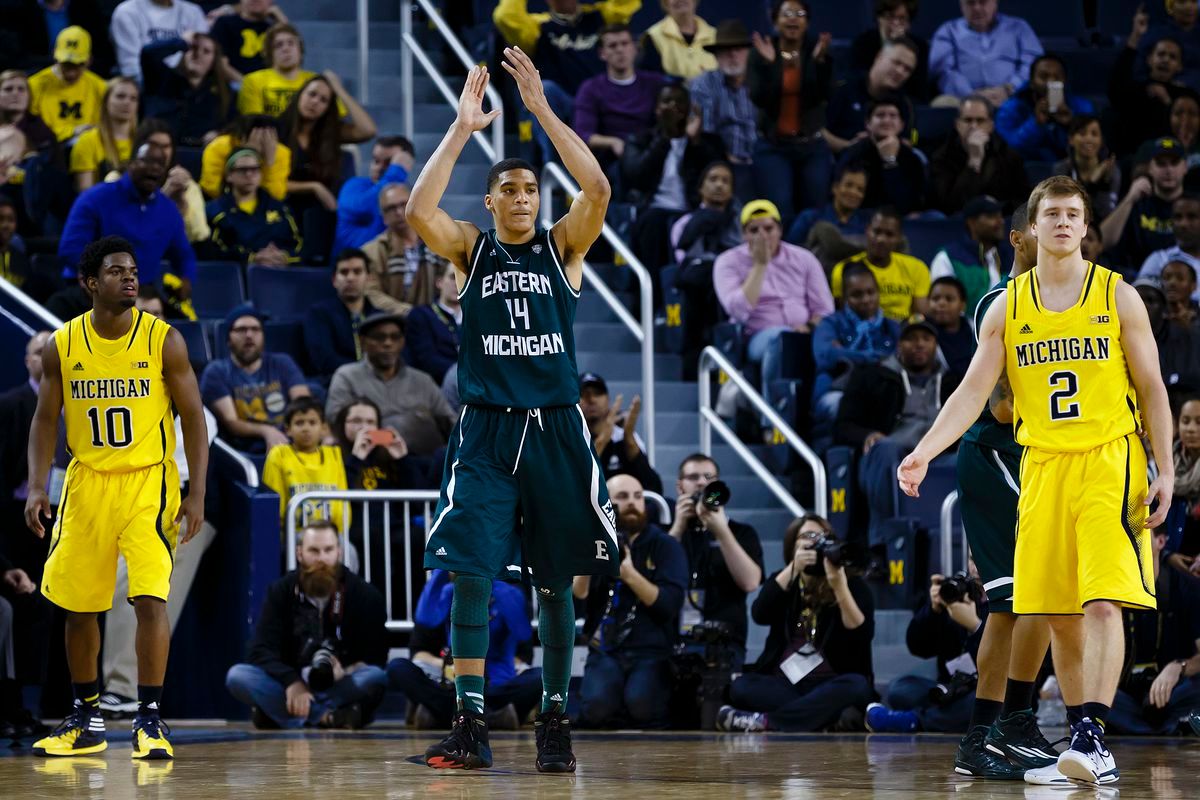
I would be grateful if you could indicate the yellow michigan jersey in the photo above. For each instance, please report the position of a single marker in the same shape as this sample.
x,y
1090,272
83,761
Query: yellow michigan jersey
x,y
1071,386
65,107
1081,512
121,492
290,472
115,398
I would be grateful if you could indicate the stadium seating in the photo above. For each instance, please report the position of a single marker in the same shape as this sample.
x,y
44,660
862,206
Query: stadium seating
x,y
288,292
218,288
927,236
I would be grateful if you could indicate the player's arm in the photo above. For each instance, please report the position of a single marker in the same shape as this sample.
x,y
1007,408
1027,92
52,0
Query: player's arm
x,y
581,226
185,395
43,433
449,238
963,407
1141,354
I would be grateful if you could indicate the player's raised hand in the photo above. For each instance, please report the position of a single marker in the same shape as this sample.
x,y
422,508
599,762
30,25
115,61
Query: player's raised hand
x,y
910,473
36,507
470,102
191,510
529,80
1161,491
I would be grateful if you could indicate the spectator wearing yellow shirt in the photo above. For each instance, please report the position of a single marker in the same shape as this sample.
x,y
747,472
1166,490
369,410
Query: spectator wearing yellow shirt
x,y
107,146
257,132
67,95
675,45
268,91
903,280
306,465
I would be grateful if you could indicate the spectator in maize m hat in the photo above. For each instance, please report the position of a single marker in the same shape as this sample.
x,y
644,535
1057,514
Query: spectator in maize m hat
x,y
770,287
67,95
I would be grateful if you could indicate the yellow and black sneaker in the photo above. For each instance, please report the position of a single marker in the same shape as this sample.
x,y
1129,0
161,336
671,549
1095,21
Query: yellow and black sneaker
x,y
79,734
150,739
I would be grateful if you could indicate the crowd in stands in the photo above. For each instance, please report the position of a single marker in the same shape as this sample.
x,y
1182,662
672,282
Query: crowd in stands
x,y
833,208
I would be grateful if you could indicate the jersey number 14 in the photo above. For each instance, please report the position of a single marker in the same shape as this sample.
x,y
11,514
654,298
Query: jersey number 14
x,y
518,308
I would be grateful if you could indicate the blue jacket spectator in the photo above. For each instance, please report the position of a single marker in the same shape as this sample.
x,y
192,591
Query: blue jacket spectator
x,y
981,51
857,333
358,217
1025,120
134,208
508,621
240,235
431,335
188,87
844,211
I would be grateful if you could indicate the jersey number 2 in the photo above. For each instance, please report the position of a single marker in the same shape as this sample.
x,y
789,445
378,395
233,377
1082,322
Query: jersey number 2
x,y
118,424
1065,385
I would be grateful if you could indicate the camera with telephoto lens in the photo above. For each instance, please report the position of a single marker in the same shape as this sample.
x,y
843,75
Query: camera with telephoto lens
x,y
713,496
840,554
709,672
960,685
320,673
958,586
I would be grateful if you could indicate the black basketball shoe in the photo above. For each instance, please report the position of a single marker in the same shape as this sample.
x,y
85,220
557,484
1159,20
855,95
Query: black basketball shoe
x,y
553,731
1018,738
465,748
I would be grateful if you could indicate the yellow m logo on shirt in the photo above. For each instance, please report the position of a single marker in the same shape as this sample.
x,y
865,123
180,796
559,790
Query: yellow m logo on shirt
x,y
896,572
252,43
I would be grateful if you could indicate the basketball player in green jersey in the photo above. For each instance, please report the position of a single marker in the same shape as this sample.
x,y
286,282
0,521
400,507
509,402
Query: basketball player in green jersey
x,y
522,493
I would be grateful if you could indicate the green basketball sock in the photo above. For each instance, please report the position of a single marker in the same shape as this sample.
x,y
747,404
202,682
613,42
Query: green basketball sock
x,y
469,635
556,628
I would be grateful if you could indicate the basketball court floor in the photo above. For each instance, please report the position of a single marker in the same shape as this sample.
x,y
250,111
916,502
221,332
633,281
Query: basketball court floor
x,y
384,762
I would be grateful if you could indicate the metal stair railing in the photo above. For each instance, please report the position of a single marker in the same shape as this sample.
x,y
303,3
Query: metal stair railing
x,y
711,358
947,536
643,331
411,47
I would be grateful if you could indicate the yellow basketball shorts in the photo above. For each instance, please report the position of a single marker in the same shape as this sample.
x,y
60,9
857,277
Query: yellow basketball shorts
x,y
1081,532
101,514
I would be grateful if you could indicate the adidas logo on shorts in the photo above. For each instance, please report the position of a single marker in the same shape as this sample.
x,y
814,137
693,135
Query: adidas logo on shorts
x,y
441,551
1025,329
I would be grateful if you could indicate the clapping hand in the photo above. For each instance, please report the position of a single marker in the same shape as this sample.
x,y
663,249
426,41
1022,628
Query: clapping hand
x,y
529,80
470,102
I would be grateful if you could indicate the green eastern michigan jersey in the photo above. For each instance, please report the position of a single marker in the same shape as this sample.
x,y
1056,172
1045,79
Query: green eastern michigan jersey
x,y
987,431
517,341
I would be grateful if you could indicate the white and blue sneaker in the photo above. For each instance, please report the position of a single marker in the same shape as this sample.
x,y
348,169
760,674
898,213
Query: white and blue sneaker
x,y
1088,759
731,719
1048,776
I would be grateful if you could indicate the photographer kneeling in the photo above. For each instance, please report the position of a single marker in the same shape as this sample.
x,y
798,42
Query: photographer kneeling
x,y
724,557
817,660
319,647
632,622
948,626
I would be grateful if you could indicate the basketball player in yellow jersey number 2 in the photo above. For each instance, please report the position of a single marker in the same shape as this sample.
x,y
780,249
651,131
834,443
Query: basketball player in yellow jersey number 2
x,y
1076,345
115,373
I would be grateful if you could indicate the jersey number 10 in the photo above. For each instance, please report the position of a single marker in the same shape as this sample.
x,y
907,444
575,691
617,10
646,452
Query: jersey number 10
x,y
118,425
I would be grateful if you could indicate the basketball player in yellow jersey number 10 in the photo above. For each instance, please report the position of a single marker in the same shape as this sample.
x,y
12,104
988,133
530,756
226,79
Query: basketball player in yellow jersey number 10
x,y
1079,354
115,373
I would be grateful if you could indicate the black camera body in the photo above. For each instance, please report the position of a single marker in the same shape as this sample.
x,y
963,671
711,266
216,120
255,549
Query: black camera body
x,y
961,684
714,495
704,677
840,554
958,586
320,673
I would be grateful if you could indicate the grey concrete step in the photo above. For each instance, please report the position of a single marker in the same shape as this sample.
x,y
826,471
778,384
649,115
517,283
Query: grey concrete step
x,y
669,395
604,337
627,366
324,33
343,10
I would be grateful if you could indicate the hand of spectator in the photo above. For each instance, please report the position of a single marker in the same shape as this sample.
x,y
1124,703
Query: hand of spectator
x,y
1141,187
714,519
1063,115
627,568
398,449
802,557
19,582
1159,93
176,183
935,598
617,146
764,46
1101,172
888,147
270,256
272,436
277,14
871,440
264,140
821,50
836,576
1164,684
996,95
685,512
1139,26
1041,110
362,446
977,141
528,79
217,13
604,435
1180,562
630,422
299,699
759,251
403,158
1195,568
964,614
695,123
335,82
325,196
185,289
